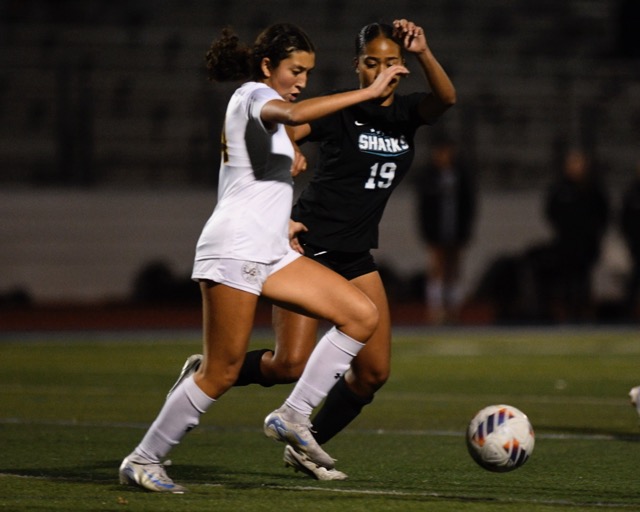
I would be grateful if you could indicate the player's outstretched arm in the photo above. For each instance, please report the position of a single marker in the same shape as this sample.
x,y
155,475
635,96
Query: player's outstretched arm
x,y
314,108
443,93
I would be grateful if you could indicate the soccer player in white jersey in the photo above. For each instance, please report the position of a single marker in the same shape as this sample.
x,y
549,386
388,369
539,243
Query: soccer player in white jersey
x,y
243,252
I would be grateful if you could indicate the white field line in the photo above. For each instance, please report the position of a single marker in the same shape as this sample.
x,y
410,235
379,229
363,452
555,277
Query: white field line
x,y
547,338
449,497
395,396
387,396
373,432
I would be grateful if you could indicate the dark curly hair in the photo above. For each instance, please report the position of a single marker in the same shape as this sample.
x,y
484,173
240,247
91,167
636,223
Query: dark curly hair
x,y
228,59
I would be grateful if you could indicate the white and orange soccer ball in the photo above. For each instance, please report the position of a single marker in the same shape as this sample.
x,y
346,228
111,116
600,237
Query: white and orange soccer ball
x,y
500,438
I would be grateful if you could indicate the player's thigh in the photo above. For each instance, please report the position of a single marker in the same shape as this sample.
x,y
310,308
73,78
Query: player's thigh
x,y
374,359
308,287
228,316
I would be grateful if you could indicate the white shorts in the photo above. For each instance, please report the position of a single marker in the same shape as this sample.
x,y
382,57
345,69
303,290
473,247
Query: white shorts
x,y
242,275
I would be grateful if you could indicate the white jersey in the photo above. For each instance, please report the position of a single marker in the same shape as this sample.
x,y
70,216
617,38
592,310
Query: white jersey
x,y
251,219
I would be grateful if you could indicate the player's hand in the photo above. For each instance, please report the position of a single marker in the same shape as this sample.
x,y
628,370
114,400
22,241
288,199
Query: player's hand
x,y
295,228
299,162
411,35
387,77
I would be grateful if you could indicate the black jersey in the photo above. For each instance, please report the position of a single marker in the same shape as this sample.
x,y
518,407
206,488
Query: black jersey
x,y
365,151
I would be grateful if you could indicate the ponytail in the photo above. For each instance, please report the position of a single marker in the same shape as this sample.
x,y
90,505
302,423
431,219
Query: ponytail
x,y
228,59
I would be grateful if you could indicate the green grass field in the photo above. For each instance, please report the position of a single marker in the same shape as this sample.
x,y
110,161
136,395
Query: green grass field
x,y
72,406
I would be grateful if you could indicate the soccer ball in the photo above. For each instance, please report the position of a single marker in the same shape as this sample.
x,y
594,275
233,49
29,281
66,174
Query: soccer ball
x,y
500,438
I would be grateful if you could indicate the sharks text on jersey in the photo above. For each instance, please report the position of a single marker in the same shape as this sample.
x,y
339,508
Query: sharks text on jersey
x,y
377,143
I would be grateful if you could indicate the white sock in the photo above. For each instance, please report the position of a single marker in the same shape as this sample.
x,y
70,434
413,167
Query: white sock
x,y
181,413
329,360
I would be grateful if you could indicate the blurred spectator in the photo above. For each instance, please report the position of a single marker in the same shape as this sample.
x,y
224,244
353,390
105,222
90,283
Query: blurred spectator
x,y
630,227
577,208
446,208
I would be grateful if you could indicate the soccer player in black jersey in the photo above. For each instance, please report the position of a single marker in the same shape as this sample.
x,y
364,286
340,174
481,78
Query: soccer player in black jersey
x,y
365,151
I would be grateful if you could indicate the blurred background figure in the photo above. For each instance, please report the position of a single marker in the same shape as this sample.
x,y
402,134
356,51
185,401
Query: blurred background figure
x,y
577,208
446,211
630,228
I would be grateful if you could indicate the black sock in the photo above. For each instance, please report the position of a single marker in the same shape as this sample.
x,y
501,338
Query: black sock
x,y
250,372
340,408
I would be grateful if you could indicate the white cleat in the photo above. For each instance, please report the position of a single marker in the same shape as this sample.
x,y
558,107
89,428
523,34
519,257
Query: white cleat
x,y
189,367
287,426
152,477
301,463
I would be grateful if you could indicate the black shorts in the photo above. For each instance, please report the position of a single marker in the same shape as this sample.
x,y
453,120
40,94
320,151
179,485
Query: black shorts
x,y
348,264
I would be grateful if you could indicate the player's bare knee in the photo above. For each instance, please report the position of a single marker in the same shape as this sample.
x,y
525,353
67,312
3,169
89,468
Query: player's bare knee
x,y
377,379
216,383
360,319
371,380
368,317
289,375
285,372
